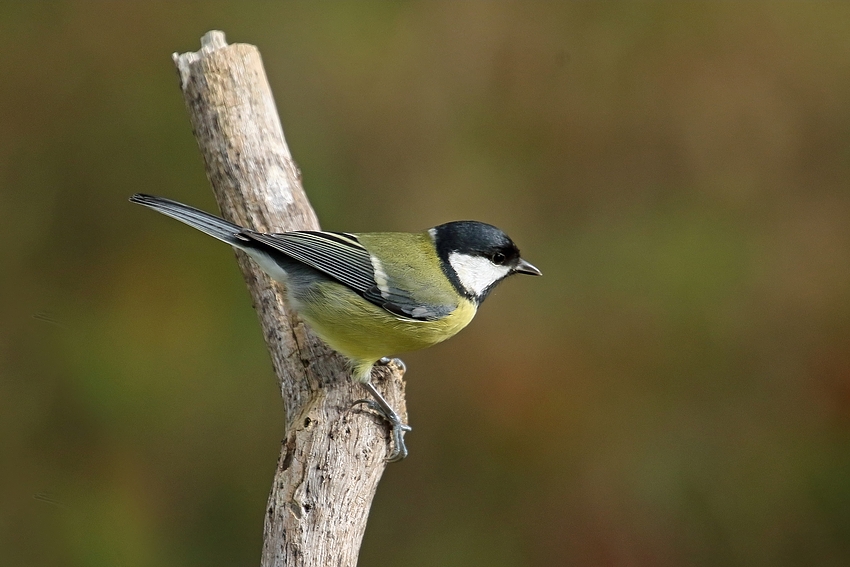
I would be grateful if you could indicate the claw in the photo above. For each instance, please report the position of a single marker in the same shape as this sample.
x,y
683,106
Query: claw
x,y
386,361
380,406
399,448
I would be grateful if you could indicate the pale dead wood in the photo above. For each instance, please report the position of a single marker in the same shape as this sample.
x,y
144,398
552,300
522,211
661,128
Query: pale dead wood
x,y
332,456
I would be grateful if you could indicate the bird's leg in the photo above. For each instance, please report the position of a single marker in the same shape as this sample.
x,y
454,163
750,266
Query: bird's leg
x,y
382,407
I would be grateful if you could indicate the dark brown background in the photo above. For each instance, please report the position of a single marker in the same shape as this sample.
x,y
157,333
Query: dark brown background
x,y
675,390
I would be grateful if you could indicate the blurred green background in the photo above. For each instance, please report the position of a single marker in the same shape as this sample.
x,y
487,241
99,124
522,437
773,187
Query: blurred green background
x,y
674,391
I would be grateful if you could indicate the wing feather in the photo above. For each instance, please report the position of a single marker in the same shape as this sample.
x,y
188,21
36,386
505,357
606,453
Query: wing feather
x,y
343,259
341,256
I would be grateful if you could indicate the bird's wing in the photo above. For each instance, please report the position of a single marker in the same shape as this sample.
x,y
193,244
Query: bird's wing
x,y
341,256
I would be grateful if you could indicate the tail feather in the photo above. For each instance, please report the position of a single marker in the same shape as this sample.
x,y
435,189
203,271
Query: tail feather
x,y
196,218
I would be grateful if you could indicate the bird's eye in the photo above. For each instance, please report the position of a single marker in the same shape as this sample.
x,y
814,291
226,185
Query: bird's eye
x,y
498,258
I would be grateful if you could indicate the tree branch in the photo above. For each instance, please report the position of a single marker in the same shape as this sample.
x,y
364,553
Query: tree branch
x,y
333,455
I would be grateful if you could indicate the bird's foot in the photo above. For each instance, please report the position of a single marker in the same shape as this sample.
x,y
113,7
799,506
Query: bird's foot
x,y
380,406
399,449
386,361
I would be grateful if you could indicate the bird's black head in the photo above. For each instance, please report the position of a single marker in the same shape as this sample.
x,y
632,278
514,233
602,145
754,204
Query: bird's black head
x,y
476,256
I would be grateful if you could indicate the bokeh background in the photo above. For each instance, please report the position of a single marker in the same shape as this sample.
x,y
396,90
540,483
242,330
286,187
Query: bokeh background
x,y
674,391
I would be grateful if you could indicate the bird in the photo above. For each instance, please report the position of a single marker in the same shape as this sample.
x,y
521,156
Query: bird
x,y
373,294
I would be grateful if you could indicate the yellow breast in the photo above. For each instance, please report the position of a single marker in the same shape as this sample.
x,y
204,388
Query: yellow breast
x,y
364,332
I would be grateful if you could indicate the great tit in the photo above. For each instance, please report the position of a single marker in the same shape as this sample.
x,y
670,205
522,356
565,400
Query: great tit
x,y
369,295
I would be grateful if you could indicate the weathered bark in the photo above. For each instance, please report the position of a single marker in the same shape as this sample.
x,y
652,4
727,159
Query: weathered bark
x,y
333,455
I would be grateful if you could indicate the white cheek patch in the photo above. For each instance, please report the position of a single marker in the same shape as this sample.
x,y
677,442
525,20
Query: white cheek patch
x,y
476,273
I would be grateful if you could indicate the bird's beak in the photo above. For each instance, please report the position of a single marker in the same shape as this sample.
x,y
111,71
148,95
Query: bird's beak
x,y
524,267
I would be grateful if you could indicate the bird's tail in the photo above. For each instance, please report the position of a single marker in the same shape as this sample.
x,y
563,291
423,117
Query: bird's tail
x,y
203,221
